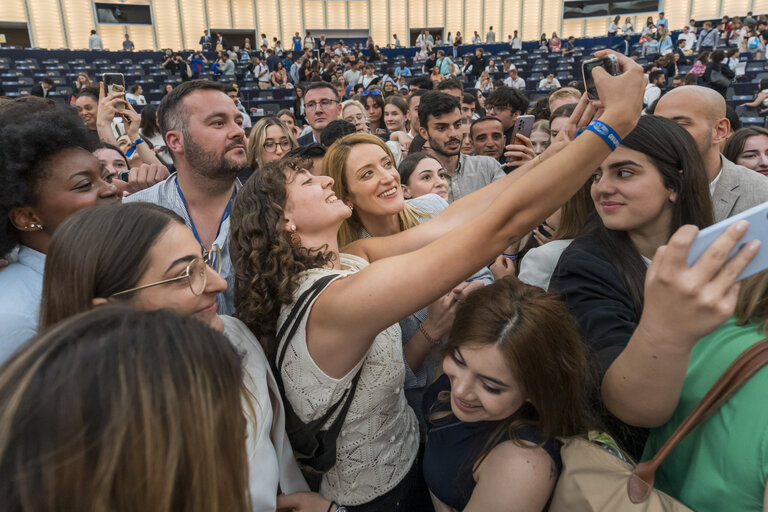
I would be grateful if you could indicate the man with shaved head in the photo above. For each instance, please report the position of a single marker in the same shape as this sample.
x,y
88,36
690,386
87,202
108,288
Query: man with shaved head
x,y
701,111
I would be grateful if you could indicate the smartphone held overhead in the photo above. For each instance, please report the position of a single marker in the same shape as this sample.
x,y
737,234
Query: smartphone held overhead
x,y
758,230
115,82
611,65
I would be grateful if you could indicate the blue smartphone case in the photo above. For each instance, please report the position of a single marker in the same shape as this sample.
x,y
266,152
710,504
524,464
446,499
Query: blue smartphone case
x,y
758,230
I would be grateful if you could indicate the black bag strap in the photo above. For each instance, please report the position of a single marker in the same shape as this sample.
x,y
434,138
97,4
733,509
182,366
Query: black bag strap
x,y
291,325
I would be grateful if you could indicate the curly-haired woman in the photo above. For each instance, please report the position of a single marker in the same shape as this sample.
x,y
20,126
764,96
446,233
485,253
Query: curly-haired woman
x,y
285,223
47,172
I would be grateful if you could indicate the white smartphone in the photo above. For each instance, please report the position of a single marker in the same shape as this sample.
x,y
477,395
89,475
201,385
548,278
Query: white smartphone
x,y
758,230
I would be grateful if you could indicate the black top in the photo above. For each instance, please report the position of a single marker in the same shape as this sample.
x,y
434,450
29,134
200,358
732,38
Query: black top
x,y
453,445
598,298
595,293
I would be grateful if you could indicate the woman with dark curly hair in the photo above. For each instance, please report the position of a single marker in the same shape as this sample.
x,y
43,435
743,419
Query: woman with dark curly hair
x,y
47,172
329,318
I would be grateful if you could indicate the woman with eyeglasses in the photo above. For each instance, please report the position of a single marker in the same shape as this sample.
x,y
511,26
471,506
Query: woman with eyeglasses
x,y
352,111
144,256
270,139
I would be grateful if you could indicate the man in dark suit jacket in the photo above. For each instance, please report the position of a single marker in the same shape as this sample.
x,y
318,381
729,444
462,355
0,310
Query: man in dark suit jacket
x,y
321,104
42,89
455,53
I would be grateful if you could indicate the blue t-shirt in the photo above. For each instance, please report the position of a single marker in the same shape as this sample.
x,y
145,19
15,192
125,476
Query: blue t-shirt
x,y
296,43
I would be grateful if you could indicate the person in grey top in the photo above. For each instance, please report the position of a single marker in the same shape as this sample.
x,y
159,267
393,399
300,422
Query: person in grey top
x,y
203,132
440,125
94,41
490,37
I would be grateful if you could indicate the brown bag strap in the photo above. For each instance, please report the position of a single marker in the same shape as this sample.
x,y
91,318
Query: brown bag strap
x,y
740,371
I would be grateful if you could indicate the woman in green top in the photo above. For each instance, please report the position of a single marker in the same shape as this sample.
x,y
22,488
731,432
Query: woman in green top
x,y
723,463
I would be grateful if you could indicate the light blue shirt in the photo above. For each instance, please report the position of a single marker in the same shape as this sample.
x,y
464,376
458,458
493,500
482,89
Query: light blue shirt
x,y
21,287
405,71
166,195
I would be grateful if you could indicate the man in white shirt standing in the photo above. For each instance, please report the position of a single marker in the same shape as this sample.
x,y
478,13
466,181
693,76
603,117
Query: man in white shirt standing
x,y
689,38
397,41
490,37
516,43
261,72
513,80
94,41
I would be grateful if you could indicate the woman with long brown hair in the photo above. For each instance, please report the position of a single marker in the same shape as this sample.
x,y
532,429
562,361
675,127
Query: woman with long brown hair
x,y
516,377
161,266
284,245
122,410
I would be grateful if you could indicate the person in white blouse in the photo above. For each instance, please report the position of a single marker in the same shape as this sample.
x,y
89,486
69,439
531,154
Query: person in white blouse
x,y
170,270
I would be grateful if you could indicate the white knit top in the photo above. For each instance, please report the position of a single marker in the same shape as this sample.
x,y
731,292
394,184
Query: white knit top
x,y
379,438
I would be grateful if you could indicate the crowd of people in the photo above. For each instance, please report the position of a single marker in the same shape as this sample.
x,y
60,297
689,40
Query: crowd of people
x,y
384,299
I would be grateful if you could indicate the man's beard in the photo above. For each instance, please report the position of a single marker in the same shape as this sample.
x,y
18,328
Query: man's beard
x,y
209,164
437,147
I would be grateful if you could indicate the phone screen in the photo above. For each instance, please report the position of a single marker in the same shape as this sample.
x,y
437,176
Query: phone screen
x,y
115,82
607,63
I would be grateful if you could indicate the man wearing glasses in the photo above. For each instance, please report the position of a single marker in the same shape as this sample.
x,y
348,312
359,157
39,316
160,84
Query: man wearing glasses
x,y
203,131
321,105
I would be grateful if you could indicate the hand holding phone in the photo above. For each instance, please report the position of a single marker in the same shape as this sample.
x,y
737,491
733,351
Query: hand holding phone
x,y
758,230
115,82
684,303
610,63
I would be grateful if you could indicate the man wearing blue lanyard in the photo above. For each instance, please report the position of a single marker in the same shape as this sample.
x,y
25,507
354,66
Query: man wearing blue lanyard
x,y
203,132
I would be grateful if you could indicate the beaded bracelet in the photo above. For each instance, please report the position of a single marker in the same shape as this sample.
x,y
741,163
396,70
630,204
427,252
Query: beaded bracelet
x,y
430,339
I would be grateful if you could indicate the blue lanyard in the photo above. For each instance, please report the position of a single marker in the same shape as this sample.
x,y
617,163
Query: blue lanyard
x,y
224,216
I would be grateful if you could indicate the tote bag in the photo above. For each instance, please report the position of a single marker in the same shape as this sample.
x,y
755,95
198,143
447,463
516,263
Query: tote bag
x,y
593,479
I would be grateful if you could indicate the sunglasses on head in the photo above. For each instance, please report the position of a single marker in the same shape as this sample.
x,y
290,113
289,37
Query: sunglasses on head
x,y
374,92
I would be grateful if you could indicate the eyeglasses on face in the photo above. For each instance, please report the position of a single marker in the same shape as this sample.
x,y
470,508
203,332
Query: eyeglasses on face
x,y
372,92
195,273
324,104
271,146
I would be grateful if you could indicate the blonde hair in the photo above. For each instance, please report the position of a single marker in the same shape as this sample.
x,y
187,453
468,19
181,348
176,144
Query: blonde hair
x,y
354,103
541,125
335,164
564,92
259,134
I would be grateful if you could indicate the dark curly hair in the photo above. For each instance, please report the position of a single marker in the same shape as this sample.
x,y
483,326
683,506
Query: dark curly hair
x,y
26,148
267,265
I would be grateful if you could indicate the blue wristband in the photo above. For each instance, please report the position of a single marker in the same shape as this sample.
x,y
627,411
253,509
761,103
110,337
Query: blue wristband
x,y
512,257
132,149
605,132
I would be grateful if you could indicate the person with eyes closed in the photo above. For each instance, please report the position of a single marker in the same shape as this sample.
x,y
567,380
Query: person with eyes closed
x,y
47,172
203,131
643,192
493,420
162,266
749,147
269,140
285,242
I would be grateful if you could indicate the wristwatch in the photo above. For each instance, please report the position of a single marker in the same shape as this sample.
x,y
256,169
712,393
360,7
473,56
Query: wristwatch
x,y
341,508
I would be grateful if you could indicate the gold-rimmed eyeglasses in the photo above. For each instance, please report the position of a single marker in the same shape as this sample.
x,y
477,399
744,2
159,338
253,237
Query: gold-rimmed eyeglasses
x,y
196,273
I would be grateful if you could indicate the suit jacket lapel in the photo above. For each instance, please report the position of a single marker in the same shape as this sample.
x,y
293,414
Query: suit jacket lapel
x,y
726,192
